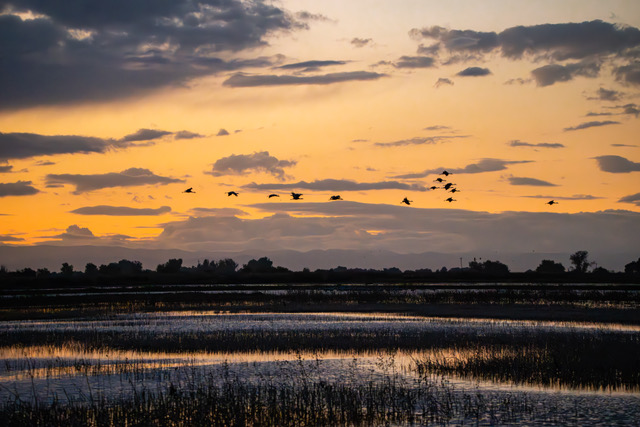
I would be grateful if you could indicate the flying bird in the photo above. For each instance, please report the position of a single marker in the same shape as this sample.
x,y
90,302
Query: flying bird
x,y
450,199
448,185
189,190
552,202
232,193
445,173
336,197
274,195
296,196
439,179
454,190
406,201
434,187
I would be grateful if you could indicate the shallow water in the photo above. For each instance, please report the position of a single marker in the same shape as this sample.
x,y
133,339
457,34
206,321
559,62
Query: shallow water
x,y
71,372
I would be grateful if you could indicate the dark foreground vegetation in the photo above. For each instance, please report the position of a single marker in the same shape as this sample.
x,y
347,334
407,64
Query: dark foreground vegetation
x,y
263,271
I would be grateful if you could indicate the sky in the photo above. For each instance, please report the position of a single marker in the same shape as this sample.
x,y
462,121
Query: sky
x,y
109,111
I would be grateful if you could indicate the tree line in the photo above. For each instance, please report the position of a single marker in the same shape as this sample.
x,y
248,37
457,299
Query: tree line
x,y
263,269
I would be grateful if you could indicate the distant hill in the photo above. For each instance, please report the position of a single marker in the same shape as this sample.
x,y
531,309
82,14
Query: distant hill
x,y
52,257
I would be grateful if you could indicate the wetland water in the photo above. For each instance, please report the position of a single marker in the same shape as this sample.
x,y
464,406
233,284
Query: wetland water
x,y
459,370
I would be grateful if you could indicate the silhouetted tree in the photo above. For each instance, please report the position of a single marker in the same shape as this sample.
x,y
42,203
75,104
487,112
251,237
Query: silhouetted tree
x,y
127,268
26,272
633,267
43,272
548,266
600,270
170,267
66,269
3,270
489,267
91,269
580,261
262,265
226,267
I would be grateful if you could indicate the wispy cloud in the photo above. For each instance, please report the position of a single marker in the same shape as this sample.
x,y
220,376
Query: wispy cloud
x,y
632,198
442,81
415,62
120,211
484,165
246,80
517,143
514,180
591,125
127,178
420,140
359,42
338,185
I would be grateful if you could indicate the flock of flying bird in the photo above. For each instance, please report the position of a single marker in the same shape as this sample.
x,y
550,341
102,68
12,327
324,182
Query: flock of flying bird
x,y
447,186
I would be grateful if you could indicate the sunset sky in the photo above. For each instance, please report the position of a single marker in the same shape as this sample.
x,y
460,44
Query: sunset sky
x,y
110,110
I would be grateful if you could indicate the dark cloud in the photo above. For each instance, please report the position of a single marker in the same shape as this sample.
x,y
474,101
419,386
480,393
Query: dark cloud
x,y
443,81
574,197
185,134
459,41
553,73
24,145
10,238
145,135
484,165
515,180
20,188
587,42
518,80
603,94
623,145
415,62
222,132
629,73
438,127
246,80
517,143
218,212
308,16
617,164
632,198
591,124
120,211
310,65
108,50
358,42
305,226
429,50
75,232
5,168
474,72
419,140
127,178
242,164
44,163
338,185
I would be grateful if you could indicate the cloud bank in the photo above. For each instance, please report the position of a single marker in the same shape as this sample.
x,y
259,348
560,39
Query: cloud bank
x,y
127,178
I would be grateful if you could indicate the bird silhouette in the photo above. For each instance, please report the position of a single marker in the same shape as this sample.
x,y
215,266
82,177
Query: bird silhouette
x,y
454,190
448,185
232,193
439,179
189,190
434,187
274,195
552,202
406,201
450,199
296,196
336,197
445,173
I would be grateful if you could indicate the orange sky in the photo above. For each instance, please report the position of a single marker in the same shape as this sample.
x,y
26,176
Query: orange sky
x,y
109,116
